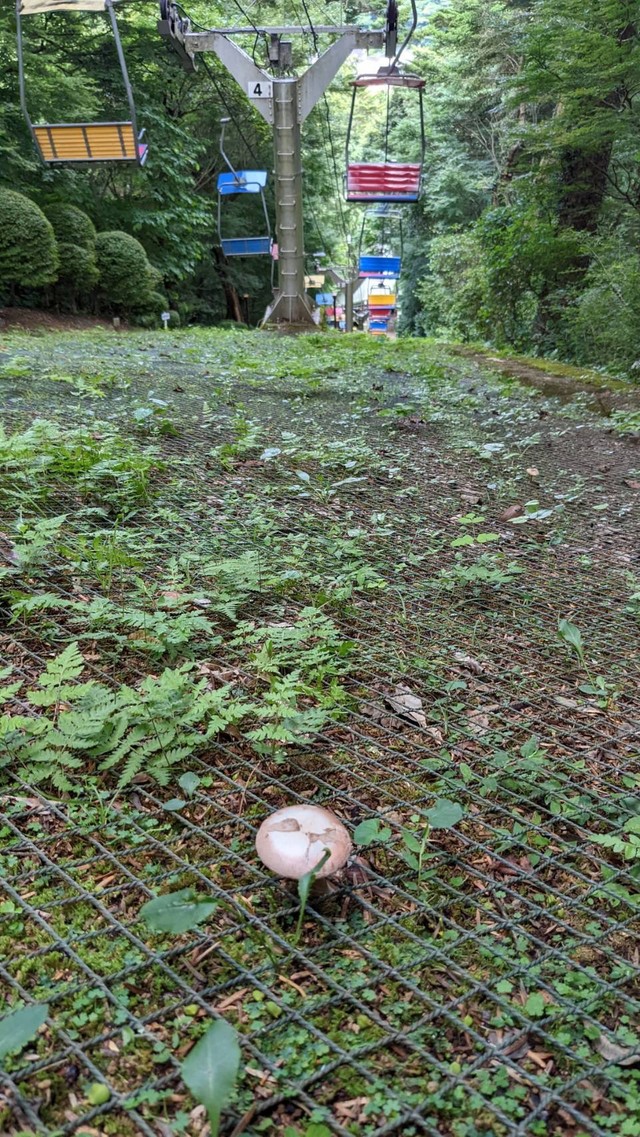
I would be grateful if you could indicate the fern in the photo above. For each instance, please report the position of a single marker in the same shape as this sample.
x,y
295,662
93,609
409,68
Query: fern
x,y
150,728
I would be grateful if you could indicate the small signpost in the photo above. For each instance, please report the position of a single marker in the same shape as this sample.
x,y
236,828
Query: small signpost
x,y
165,317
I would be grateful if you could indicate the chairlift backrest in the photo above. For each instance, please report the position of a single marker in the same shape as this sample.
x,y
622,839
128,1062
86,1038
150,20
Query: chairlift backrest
x,y
242,181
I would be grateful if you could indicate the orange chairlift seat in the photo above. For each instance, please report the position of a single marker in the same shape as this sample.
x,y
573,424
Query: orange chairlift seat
x,y
82,142
385,181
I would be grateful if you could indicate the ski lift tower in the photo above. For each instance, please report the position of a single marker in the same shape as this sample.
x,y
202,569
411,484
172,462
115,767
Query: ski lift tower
x,y
284,101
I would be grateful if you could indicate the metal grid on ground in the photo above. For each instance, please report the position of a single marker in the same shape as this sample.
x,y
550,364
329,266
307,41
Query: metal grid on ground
x,y
491,987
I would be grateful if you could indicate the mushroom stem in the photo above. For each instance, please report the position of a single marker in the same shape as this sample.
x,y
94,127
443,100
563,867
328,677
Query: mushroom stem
x,y
305,884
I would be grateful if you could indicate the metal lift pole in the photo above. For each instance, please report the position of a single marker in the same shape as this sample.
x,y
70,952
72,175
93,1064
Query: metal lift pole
x,y
290,303
285,103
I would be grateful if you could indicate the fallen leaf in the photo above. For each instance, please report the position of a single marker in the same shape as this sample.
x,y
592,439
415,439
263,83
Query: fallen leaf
x,y
621,1055
469,662
510,512
632,483
473,497
477,722
403,701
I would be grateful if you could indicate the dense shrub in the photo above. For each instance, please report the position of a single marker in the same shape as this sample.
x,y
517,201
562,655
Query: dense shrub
x,y
78,272
28,252
125,272
453,294
602,326
71,226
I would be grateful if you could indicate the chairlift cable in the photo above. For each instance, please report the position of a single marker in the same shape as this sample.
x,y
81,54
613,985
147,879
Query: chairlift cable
x,y
216,86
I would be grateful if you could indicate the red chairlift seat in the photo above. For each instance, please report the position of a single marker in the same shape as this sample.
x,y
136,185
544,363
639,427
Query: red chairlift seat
x,y
386,181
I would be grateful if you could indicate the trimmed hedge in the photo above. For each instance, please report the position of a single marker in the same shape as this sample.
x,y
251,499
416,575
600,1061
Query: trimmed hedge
x,y
125,272
71,226
28,251
78,271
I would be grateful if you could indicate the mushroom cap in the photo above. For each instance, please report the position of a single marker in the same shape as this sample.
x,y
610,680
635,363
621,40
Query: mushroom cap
x,y
292,841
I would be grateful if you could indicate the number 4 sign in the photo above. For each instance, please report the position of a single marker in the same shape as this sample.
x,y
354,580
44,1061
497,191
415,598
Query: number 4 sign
x,y
260,89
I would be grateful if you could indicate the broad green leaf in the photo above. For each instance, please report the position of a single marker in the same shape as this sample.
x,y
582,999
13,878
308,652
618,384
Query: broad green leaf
x,y
571,635
18,1028
530,747
174,804
445,814
411,842
189,782
371,830
98,1094
211,1068
177,912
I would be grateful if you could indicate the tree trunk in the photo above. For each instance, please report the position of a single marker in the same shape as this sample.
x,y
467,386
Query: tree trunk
x,y
234,310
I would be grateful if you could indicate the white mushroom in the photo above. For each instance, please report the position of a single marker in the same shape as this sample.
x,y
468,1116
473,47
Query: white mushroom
x,y
293,841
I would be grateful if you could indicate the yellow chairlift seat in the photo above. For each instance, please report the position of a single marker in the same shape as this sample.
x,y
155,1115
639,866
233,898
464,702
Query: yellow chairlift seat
x,y
90,142
70,142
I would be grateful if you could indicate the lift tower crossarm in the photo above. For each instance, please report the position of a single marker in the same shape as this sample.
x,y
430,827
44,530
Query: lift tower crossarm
x,y
239,65
317,78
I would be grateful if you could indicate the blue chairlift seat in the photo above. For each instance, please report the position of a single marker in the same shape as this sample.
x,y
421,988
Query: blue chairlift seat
x,y
378,325
246,246
323,299
380,268
230,185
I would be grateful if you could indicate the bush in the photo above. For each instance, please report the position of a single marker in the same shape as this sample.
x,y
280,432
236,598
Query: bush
x,y
78,272
454,293
71,226
125,272
602,326
28,251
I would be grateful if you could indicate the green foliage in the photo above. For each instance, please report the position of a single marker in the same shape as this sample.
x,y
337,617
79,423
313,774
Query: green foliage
x,y
454,293
19,1027
46,460
177,912
71,225
125,281
211,1070
88,726
626,843
78,271
370,831
98,1093
572,637
28,251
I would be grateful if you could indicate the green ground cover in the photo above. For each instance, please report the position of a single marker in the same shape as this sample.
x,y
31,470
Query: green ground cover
x,y
239,570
